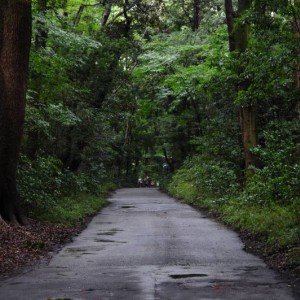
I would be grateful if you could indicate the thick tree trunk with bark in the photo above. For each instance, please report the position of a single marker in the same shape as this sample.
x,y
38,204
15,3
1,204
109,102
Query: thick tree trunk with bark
x,y
248,126
15,38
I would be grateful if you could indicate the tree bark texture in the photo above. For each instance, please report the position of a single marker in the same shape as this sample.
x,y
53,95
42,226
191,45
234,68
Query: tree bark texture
x,y
107,13
238,41
15,38
247,113
248,126
230,23
196,15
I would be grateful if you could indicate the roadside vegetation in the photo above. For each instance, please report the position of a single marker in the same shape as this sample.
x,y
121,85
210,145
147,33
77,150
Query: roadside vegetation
x,y
270,229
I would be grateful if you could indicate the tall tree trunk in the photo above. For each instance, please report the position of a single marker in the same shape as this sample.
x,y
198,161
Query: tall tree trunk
x,y
128,19
230,23
238,41
247,112
15,38
296,52
196,15
248,126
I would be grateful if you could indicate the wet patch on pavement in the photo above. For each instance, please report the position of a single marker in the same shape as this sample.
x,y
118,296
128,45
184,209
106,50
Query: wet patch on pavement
x,y
109,241
107,233
180,276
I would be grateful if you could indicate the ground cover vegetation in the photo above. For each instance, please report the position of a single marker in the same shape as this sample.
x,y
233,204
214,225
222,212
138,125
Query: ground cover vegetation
x,y
201,96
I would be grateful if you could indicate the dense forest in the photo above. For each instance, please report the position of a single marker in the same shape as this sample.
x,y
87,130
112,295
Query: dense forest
x,y
201,96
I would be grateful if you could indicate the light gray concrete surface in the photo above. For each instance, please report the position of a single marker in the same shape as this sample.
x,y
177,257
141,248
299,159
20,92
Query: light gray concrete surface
x,y
147,246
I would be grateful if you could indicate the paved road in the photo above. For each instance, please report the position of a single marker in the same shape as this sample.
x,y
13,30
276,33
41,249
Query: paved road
x,y
146,246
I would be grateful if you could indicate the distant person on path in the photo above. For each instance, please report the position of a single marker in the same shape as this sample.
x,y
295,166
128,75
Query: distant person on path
x,y
140,182
147,181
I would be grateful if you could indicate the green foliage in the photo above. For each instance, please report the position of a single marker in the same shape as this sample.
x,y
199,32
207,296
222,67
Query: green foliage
x,y
278,180
73,209
201,178
278,225
40,183
43,183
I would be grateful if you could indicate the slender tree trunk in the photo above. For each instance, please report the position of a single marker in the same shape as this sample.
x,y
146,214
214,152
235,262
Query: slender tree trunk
x,y
238,41
128,19
107,12
296,52
230,23
78,16
196,15
247,113
15,38
248,126
42,33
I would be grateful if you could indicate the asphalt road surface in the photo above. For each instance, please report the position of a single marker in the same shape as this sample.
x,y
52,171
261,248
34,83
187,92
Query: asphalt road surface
x,y
147,246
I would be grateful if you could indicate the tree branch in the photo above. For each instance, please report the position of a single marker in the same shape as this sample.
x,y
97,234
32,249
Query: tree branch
x,y
124,11
81,9
107,13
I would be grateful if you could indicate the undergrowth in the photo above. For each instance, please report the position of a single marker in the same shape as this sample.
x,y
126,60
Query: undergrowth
x,y
71,210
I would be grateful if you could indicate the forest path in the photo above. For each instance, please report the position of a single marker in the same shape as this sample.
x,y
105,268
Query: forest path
x,y
145,245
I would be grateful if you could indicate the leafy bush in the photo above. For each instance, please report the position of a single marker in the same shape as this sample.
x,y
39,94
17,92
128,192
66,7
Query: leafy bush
x,y
279,179
277,224
70,210
43,183
40,183
202,178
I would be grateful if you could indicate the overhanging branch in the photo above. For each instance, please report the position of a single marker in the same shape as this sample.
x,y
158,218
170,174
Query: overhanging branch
x,y
124,11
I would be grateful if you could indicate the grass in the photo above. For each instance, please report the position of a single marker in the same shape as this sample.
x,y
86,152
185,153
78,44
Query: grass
x,y
277,224
70,210
73,209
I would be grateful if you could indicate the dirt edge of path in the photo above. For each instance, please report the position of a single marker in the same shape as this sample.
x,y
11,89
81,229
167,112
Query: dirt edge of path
x,y
23,247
